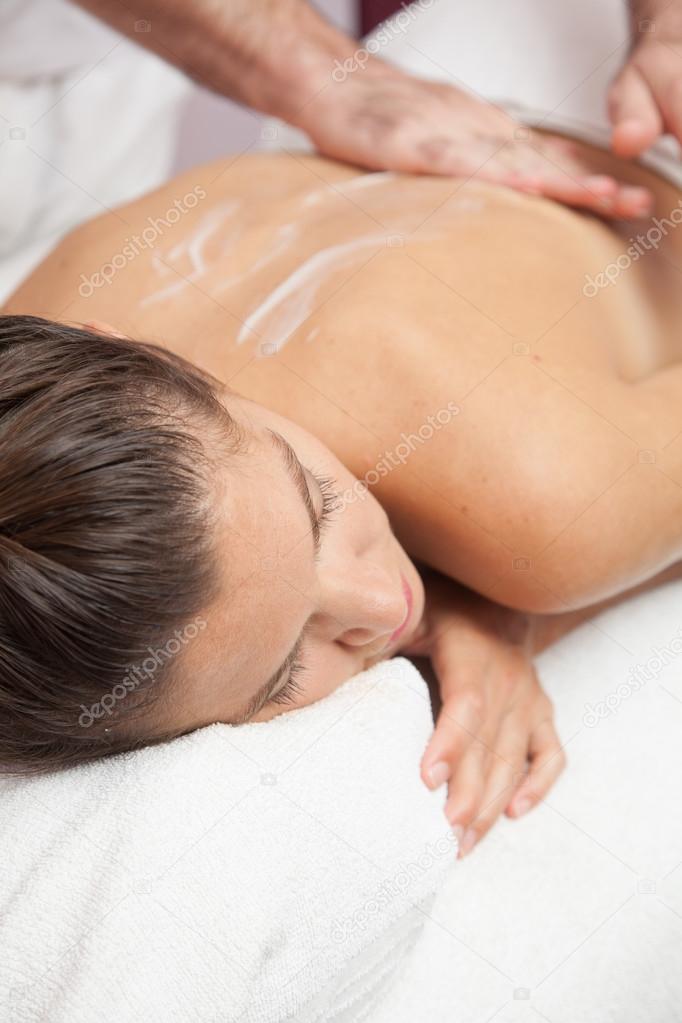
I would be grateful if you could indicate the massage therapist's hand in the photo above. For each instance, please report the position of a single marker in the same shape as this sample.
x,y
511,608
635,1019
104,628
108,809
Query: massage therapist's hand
x,y
645,99
282,58
494,743
380,118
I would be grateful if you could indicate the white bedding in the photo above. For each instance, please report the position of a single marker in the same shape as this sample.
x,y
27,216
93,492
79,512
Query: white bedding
x,y
573,915
257,874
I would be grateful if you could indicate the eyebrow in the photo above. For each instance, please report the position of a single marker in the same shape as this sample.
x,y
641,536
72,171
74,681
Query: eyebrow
x,y
297,476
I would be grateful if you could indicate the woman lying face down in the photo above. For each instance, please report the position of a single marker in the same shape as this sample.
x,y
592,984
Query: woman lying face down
x,y
151,515
308,591
158,559
175,555
313,590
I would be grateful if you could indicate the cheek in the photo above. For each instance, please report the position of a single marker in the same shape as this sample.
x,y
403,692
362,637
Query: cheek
x,y
327,666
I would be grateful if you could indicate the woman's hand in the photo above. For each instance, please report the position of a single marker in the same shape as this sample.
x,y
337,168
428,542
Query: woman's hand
x,y
494,741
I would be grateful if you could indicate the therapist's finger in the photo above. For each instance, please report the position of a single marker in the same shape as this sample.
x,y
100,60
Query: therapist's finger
x,y
633,112
527,169
667,90
542,167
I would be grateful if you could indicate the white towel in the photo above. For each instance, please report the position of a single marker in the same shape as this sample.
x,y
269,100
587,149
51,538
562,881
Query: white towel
x,y
268,872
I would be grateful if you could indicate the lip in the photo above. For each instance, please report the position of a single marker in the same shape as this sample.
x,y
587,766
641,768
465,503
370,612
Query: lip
x,y
409,601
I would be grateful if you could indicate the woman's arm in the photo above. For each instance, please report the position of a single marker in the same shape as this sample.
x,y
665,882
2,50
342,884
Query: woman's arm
x,y
494,742
548,629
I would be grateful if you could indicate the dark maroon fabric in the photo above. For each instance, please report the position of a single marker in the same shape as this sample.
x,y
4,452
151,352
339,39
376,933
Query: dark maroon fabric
x,y
374,11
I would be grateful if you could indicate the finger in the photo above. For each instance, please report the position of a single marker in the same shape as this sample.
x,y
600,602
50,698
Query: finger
x,y
560,176
547,761
593,191
569,181
537,167
506,767
599,193
622,201
458,725
466,789
634,113
631,202
672,107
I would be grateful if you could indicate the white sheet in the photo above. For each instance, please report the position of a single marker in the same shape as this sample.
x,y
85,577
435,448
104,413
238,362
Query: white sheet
x,y
574,914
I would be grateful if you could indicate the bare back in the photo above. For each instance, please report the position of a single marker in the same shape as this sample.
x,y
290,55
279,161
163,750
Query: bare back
x,y
361,305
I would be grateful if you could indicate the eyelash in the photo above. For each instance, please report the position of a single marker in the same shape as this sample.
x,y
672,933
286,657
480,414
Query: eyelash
x,y
330,502
330,497
292,687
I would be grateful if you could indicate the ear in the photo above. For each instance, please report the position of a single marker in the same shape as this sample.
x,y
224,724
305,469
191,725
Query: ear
x,y
100,327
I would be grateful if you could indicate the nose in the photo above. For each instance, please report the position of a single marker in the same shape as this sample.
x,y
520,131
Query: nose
x,y
365,603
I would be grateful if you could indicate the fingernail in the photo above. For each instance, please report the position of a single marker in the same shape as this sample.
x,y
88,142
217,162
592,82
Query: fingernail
x,y
468,842
522,806
600,181
457,829
458,832
437,774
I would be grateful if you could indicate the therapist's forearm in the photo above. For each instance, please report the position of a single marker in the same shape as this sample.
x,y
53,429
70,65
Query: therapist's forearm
x,y
272,55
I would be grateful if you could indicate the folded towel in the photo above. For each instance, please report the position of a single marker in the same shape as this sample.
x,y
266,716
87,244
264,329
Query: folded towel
x,y
273,871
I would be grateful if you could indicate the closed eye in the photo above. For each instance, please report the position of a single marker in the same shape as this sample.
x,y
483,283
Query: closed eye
x,y
292,689
331,499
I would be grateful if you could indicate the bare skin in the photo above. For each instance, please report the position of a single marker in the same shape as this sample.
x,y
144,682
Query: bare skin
x,y
558,481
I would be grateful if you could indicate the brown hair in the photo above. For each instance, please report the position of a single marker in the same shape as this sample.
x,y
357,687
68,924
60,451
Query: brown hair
x,y
106,545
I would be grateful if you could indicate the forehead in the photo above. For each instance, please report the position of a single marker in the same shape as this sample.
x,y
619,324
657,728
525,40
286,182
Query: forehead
x,y
266,571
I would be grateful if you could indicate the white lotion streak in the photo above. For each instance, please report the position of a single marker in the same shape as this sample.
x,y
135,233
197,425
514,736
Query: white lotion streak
x,y
291,302
194,249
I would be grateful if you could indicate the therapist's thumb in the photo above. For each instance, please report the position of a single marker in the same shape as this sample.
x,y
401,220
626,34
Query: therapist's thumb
x,y
633,112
